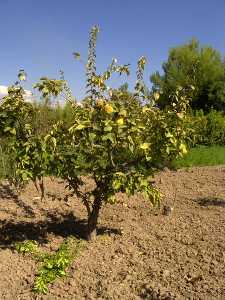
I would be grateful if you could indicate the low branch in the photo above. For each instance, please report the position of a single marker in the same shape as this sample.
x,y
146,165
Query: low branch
x,y
86,203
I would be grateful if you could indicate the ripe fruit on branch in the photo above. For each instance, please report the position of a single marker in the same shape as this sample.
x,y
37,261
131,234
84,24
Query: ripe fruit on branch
x,y
120,121
108,108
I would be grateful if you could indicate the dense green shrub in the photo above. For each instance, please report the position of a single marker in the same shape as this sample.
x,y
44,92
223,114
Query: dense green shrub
x,y
7,167
215,133
206,129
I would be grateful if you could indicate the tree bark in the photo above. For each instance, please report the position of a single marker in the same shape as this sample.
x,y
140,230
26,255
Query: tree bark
x,y
93,219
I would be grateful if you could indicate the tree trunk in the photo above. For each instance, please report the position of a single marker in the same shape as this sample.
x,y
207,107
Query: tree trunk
x,y
42,188
93,220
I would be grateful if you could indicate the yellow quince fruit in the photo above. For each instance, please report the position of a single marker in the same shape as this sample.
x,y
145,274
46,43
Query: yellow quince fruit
x,y
144,146
183,148
120,121
108,108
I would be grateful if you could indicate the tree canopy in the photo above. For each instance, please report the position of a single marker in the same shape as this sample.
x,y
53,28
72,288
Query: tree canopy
x,y
193,65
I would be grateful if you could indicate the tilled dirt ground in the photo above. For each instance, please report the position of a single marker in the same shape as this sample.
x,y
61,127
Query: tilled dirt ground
x,y
139,252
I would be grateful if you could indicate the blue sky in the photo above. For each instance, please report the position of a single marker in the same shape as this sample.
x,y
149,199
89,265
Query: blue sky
x,y
40,36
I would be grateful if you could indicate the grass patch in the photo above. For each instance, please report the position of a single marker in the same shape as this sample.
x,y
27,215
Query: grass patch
x,y
202,156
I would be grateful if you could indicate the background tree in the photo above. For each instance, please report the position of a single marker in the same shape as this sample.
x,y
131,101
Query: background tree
x,y
193,65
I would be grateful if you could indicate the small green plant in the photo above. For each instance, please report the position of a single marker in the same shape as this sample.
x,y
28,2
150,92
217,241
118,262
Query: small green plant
x,y
206,129
27,247
215,134
53,266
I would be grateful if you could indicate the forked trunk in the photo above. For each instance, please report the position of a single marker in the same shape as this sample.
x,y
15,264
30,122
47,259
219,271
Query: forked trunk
x,y
93,220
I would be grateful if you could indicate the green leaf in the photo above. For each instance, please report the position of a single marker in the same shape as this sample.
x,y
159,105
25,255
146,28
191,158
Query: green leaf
x,y
24,176
131,148
13,131
92,136
80,127
109,136
54,141
76,55
22,76
108,128
7,129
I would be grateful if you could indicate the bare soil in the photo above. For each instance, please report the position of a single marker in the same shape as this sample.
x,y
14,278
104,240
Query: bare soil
x,y
139,253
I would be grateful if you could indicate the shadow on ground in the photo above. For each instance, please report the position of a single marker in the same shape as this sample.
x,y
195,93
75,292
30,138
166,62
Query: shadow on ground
x,y
63,225
7,192
211,202
13,230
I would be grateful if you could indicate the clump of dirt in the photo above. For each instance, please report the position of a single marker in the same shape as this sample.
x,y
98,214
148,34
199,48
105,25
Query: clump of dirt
x,y
177,252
